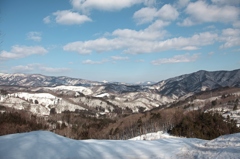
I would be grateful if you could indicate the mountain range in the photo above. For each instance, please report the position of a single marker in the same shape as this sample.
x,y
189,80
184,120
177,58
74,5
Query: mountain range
x,y
177,86
81,108
44,93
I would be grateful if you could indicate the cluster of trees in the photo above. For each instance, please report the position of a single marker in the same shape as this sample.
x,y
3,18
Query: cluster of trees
x,y
19,121
3,92
204,125
79,124
147,122
83,125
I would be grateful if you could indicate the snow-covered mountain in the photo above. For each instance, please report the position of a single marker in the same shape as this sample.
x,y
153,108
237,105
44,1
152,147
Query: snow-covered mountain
x,y
109,97
198,81
37,80
38,103
41,100
177,86
47,145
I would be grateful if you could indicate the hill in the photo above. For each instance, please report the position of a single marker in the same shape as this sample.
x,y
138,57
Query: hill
x,y
42,144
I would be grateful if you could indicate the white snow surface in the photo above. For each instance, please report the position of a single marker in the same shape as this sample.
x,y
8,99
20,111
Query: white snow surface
x,y
43,98
47,145
46,101
153,136
84,90
103,95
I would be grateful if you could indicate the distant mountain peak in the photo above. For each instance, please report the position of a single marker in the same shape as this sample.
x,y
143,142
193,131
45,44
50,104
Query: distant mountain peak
x,y
105,81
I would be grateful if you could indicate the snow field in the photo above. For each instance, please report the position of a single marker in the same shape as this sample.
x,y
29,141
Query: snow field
x,y
153,136
47,145
84,90
45,101
102,95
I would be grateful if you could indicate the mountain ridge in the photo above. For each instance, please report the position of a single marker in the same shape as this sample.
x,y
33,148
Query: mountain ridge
x,y
198,81
176,86
39,80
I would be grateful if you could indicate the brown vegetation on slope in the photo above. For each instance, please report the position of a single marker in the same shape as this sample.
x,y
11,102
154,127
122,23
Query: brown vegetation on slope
x,y
178,117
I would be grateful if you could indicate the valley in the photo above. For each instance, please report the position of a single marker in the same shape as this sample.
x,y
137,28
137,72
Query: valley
x,y
82,109
120,79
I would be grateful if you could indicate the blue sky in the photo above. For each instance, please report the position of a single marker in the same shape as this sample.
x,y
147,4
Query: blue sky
x,y
124,41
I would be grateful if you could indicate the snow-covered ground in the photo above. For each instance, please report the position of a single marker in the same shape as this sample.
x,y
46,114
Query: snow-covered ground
x,y
84,90
153,136
102,95
41,98
38,103
47,145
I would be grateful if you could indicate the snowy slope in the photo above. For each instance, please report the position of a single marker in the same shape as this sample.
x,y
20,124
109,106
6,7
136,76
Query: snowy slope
x,y
47,145
84,90
42,98
197,82
153,136
38,103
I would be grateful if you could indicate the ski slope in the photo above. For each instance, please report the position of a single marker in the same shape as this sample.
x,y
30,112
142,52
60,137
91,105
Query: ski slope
x,y
47,145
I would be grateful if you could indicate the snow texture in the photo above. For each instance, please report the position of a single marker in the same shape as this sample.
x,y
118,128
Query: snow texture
x,y
42,98
102,95
47,145
153,136
84,90
45,101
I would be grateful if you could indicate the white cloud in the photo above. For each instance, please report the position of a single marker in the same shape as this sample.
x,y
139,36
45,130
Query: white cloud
x,y
230,37
78,47
22,51
113,59
21,68
148,14
139,46
189,48
68,17
94,62
98,45
236,24
119,58
47,20
35,36
210,53
226,2
108,5
157,26
150,3
53,70
140,35
176,59
201,39
145,15
200,12
167,12
186,22
230,32
182,3
38,68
